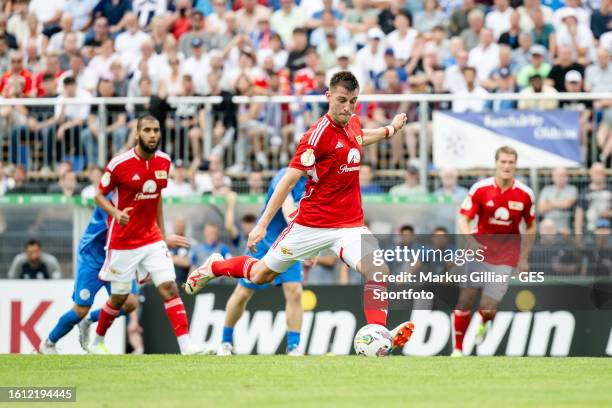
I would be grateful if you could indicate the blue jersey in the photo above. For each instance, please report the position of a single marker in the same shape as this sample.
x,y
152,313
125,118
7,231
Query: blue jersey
x,y
93,241
278,223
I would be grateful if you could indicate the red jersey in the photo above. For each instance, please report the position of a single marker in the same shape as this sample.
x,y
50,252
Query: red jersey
x,y
500,213
331,156
136,183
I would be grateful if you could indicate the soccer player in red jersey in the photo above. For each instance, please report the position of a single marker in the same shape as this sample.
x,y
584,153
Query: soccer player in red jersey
x,y
135,239
330,215
501,203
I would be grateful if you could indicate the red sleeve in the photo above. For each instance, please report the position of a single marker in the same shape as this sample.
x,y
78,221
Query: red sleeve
x,y
109,181
310,148
529,210
470,205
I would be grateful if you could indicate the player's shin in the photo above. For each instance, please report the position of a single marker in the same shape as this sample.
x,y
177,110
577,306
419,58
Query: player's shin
x,y
375,303
175,310
63,326
461,322
237,267
107,316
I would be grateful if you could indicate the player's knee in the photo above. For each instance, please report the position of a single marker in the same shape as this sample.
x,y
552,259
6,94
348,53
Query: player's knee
x,y
263,277
168,289
293,292
131,303
81,311
121,288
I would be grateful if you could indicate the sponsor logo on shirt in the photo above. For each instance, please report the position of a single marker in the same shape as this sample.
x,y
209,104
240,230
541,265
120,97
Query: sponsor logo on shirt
x,y
515,205
149,189
502,217
339,145
353,156
161,174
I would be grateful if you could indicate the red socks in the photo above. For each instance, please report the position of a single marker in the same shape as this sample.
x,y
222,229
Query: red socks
x,y
107,316
374,308
237,267
461,323
177,316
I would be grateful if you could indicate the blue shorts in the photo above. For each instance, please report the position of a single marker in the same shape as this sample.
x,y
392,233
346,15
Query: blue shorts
x,y
87,284
293,274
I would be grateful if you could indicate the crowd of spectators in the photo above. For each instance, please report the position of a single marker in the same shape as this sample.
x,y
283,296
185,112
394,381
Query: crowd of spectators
x,y
165,48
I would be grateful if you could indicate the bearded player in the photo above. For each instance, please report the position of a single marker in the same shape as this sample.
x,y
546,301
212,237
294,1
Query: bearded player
x,y
135,238
329,216
501,203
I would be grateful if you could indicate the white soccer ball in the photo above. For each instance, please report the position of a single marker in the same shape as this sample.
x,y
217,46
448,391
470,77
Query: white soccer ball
x,y
373,340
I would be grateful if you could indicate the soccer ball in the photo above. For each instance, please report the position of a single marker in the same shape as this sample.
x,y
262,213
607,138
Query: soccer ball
x,y
373,340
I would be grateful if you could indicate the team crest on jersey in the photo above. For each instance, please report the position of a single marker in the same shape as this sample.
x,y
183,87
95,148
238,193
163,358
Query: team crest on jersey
x,y
286,251
353,156
307,158
515,205
149,186
161,174
84,294
467,203
105,179
359,139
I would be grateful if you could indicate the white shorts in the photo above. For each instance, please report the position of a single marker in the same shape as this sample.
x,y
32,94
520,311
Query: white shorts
x,y
298,242
493,280
124,265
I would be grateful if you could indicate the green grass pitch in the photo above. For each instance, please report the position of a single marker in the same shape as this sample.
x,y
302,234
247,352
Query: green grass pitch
x,y
348,381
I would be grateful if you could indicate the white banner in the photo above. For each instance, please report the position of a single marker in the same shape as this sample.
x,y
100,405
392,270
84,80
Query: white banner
x,y
29,309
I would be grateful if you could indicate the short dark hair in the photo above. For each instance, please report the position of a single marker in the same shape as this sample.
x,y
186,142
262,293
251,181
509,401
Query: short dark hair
x,y
143,117
407,227
344,79
69,80
440,229
249,218
300,30
33,242
405,13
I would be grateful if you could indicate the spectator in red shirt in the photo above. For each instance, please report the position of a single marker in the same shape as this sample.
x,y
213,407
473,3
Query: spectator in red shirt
x,y
180,20
17,69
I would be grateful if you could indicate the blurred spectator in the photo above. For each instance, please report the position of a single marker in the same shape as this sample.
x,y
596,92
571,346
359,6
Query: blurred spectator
x,y
485,56
575,9
101,63
388,13
297,54
557,200
56,42
573,84
209,169
594,201
360,17
255,182
187,123
6,183
471,89
538,66
94,175
197,29
498,18
511,36
128,43
68,186
528,10
504,83
115,129
149,10
565,64
403,40
47,12
248,16
119,80
537,85
72,118
471,34
577,37
449,186
459,17
430,17
543,33
454,80
324,272
114,11
598,78
34,264
5,54
101,33
371,58
601,18
40,126
179,185
22,184
366,177
10,38
210,244
552,253
17,70
440,241
180,255
598,257
410,186
237,234
81,13
329,24
521,56
197,65
85,79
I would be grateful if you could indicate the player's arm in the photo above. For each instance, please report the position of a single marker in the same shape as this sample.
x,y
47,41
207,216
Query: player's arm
x,y
371,136
284,187
122,216
230,221
288,208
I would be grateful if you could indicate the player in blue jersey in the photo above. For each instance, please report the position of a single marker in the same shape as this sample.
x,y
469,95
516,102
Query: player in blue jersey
x,y
291,280
90,258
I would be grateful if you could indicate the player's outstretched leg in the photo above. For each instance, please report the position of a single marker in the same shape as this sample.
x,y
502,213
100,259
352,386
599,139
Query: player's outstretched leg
x,y
63,326
294,311
234,309
238,267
